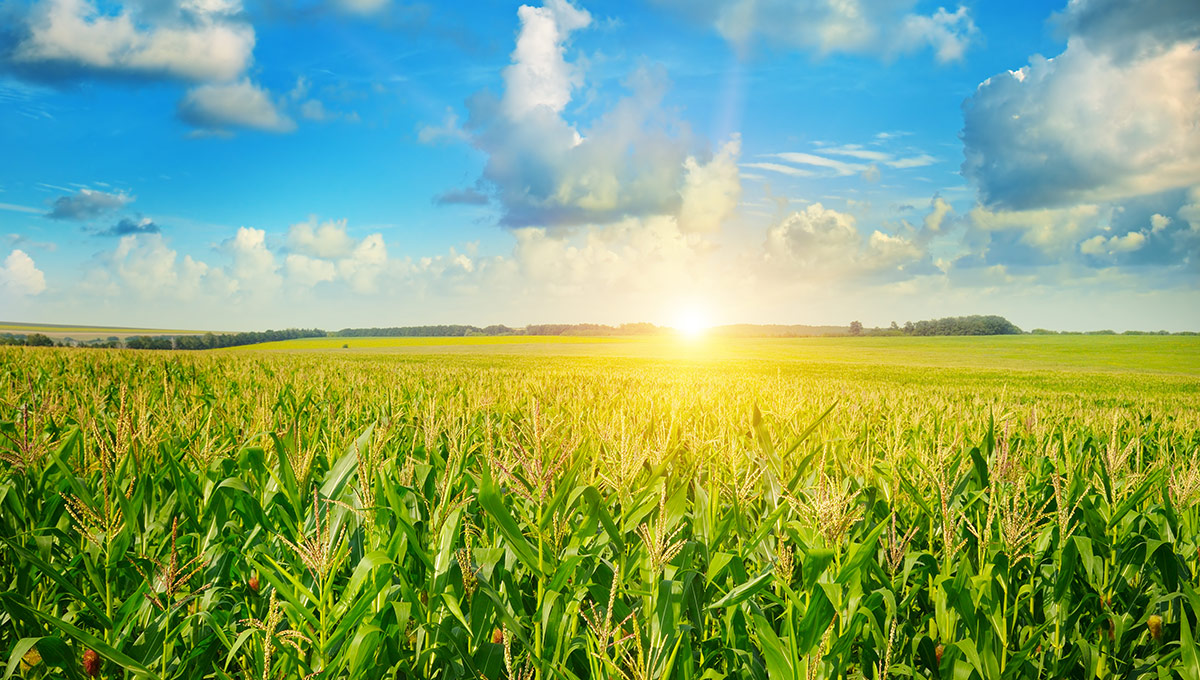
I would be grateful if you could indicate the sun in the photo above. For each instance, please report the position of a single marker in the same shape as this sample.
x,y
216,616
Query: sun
x,y
692,321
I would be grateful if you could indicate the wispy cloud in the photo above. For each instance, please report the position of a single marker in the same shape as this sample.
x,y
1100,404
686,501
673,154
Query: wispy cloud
x,y
19,208
839,168
780,168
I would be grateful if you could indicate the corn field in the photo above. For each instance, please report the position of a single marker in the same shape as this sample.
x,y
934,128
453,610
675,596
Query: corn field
x,y
269,516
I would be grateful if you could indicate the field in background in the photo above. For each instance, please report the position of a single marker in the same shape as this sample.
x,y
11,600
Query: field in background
x,y
400,343
60,332
1099,353
1009,507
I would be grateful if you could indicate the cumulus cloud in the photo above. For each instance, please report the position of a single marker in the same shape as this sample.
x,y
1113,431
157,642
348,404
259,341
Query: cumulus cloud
x,y
146,267
1112,117
1131,30
822,243
361,270
309,271
326,240
249,267
1025,237
936,219
1127,243
192,40
710,191
633,255
540,76
885,29
87,204
633,160
236,104
947,33
325,252
127,226
254,267
19,275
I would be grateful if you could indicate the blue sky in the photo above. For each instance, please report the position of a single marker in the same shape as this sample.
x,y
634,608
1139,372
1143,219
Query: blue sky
x,y
231,164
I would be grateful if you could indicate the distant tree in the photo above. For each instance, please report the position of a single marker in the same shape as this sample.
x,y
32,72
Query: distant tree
x,y
895,326
966,325
39,340
856,328
908,328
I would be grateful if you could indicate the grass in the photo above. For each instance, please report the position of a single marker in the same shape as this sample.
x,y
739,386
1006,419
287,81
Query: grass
x,y
418,342
1178,355
650,509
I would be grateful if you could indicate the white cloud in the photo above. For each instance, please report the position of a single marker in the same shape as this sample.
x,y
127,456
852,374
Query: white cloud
x,y
237,104
19,208
819,243
197,41
19,275
839,168
710,192
1050,231
540,76
885,29
834,167
781,169
937,215
857,151
254,268
544,171
365,264
912,162
1100,122
948,33
1098,245
145,266
309,271
813,237
631,256
325,252
325,240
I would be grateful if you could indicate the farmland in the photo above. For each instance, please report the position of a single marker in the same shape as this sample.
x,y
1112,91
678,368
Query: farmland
x,y
831,507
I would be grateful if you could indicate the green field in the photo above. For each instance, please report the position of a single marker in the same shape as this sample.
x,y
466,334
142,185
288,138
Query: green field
x,y
79,332
1138,354
471,342
1010,507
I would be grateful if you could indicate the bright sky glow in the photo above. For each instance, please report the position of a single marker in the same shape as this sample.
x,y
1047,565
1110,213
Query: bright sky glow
x,y
243,164
692,321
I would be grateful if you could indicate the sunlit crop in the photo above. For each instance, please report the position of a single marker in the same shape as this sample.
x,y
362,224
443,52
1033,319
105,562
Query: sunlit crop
x,y
254,515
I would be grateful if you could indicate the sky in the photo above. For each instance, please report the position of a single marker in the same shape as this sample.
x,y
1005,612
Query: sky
x,y
245,164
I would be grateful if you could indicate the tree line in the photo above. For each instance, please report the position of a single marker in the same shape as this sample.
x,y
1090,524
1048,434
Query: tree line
x,y
179,342
951,325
